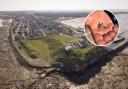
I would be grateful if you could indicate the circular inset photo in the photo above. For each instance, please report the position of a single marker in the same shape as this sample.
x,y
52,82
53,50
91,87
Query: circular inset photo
x,y
101,27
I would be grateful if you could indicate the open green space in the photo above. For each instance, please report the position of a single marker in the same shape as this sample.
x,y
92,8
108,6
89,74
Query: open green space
x,y
51,49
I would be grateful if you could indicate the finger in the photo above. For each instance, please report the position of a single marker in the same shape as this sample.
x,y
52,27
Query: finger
x,y
115,29
107,38
101,42
112,34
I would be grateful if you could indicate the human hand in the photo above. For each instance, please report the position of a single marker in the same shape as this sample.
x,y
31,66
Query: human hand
x,y
102,28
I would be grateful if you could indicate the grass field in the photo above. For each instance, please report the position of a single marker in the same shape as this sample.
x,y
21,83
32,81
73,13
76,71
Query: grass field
x,y
45,45
51,49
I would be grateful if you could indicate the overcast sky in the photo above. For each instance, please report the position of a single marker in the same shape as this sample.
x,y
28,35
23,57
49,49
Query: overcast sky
x,y
62,4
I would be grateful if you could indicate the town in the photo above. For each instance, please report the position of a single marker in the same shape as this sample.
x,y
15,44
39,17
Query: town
x,y
31,26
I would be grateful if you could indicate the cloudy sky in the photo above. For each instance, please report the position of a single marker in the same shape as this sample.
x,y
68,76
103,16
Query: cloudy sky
x,y
62,4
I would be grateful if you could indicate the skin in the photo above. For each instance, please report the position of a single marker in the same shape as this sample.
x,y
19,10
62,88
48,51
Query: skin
x,y
102,28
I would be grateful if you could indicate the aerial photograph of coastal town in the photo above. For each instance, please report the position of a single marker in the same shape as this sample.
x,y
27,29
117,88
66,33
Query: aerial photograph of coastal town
x,y
44,45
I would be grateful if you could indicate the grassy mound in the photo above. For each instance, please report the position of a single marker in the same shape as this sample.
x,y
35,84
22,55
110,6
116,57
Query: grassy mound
x,y
51,49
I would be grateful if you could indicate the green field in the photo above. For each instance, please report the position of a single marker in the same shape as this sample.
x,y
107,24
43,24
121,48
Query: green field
x,y
51,49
